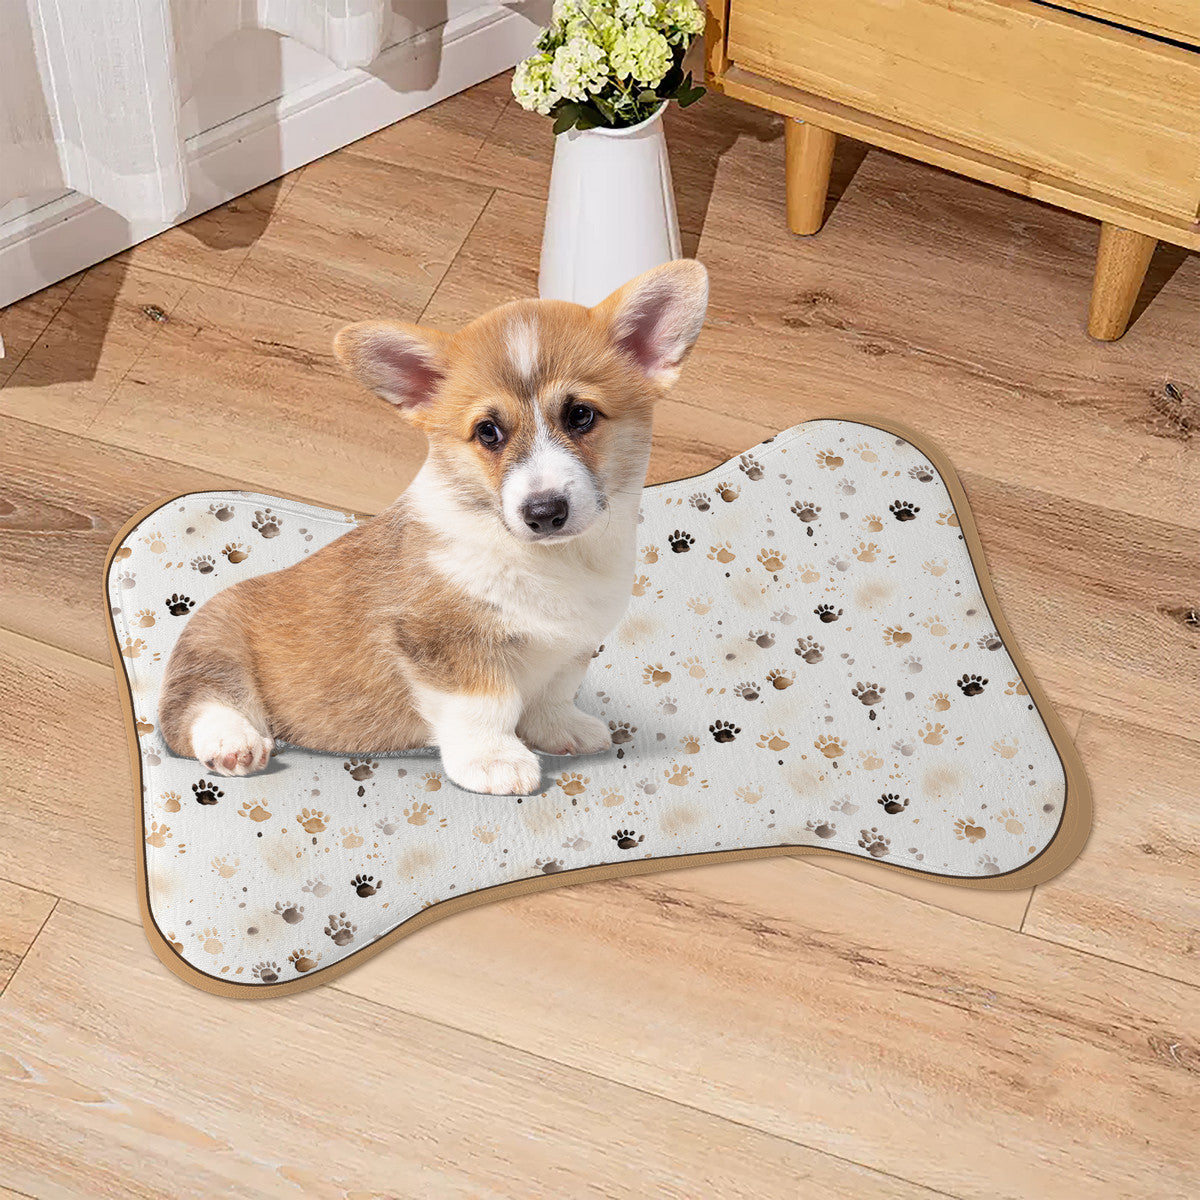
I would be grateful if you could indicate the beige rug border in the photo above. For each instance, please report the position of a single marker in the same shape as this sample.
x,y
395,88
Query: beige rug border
x,y
1063,848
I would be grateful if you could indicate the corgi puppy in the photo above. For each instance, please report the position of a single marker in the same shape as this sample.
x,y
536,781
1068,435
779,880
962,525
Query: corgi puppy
x,y
466,613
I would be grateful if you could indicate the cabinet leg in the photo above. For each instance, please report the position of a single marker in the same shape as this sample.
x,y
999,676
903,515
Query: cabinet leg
x,y
1121,264
809,158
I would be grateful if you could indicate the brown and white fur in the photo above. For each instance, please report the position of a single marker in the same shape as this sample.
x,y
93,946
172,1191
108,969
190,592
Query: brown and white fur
x,y
465,614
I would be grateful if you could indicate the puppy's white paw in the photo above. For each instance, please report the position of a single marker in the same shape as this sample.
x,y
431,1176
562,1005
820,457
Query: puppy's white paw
x,y
504,768
226,743
564,729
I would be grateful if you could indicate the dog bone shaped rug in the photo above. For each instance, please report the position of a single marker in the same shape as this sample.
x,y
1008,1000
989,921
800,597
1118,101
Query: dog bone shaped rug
x,y
813,661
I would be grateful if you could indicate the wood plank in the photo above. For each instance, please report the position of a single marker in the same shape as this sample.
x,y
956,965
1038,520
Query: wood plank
x,y
65,498
861,1024
75,365
1111,113
66,804
359,238
21,324
210,248
1132,897
332,1096
22,913
1169,18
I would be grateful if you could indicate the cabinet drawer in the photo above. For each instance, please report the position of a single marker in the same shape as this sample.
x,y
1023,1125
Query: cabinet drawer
x,y
1058,93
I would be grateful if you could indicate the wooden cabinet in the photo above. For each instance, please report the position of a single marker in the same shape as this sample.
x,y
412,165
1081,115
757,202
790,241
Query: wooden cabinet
x,y
1093,116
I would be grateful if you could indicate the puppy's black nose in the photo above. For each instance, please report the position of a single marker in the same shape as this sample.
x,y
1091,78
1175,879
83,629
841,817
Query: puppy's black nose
x,y
545,512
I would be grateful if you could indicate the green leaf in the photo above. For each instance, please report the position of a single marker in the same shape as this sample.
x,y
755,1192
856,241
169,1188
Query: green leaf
x,y
691,97
566,114
607,111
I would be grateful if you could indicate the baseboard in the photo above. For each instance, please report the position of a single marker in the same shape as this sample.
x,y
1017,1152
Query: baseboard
x,y
73,232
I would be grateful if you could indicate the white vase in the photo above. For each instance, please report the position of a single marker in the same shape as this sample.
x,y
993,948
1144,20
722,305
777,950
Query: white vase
x,y
611,211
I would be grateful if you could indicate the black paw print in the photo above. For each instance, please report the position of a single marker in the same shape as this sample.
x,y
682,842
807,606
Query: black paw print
x,y
700,501
922,473
750,466
903,510
810,650
365,885
827,613
874,843
724,731
622,732
681,542
204,564
206,793
972,685
892,804
267,523
868,694
179,606
626,840
761,637
747,690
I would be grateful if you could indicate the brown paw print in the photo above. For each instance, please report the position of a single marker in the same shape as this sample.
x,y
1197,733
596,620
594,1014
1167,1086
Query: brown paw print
x,y
728,492
831,747
690,743
144,619
748,794
748,690
179,606
223,512
265,972
895,635
874,843
266,523
171,801
210,941
156,542
823,829
700,604
158,834
761,638
864,451
771,561
573,783
965,829
431,781
312,820
933,734
722,552
679,775
936,626
224,868
780,680
1005,748
868,694
236,552
949,518
694,667
750,467
700,501
935,566
649,555
549,866
303,960
773,739
204,564
418,814
339,930
1011,823
829,460
656,674
810,650
292,914
939,702
622,732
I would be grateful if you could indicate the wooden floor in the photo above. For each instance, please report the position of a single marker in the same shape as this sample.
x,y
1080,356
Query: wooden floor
x,y
771,1029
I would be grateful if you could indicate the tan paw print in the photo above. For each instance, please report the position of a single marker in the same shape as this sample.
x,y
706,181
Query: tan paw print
x,y
896,635
610,798
829,460
236,552
133,647
965,829
869,760
873,523
650,555
210,941
948,518
486,834
690,744
831,747
700,604
694,667
935,566
257,810
864,451
351,838
1008,818
936,626
809,573
1016,688
573,783
933,734
722,552
866,552
656,674
418,814
780,680
748,794
431,781
641,586
226,869
156,542
145,618
773,740
311,820
143,727
678,774
771,560
939,702
158,835
1005,748
170,801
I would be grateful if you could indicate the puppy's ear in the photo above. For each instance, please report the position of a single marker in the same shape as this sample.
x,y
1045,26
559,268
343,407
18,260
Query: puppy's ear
x,y
402,363
656,317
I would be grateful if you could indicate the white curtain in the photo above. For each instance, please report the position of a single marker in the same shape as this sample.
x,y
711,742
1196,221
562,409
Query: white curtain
x,y
91,90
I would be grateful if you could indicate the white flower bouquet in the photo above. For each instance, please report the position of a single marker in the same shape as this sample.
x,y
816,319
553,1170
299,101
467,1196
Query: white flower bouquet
x,y
609,63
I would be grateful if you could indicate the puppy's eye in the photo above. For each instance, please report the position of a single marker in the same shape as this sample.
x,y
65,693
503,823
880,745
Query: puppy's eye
x,y
489,434
580,418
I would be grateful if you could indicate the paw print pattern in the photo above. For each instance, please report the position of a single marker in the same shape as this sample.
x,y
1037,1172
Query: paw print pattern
x,y
891,803
781,680
267,523
772,561
223,512
681,542
179,606
700,501
622,732
573,783
694,667
656,674
312,820
236,552
722,552
922,473
832,747
827,614
292,914
728,492
339,930
206,793
809,511
773,740
747,690
360,768
990,641
649,555
810,650
828,460
965,829
761,637
204,564
874,843
303,960
265,972
868,694
418,814
902,510
748,795
724,732
972,685
365,885
626,839
750,467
